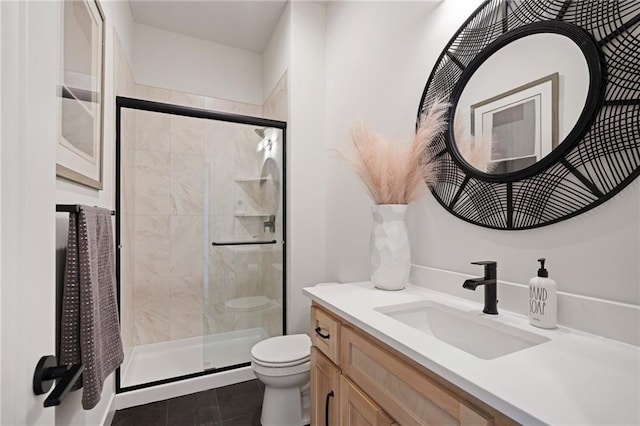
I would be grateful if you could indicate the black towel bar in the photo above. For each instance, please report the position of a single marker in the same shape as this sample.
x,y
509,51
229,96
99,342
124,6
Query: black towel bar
x,y
242,243
47,371
72,208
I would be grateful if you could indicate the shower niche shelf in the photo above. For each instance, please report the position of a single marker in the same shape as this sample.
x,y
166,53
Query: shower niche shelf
x,y
254,186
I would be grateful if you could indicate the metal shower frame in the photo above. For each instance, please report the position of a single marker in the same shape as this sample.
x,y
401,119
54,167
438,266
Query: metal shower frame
x,y
144,105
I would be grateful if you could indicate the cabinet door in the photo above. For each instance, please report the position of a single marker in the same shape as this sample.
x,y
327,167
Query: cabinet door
x,y
407,394
356,409
325,390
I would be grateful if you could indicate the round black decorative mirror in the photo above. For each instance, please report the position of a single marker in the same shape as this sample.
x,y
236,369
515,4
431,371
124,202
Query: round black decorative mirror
x,y
544,121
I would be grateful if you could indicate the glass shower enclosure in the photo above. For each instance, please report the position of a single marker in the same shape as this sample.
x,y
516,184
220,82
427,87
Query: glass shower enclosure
x,y
200,227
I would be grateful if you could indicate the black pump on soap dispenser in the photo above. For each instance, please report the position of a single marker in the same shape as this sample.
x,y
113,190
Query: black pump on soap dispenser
x,y
542,272
542,299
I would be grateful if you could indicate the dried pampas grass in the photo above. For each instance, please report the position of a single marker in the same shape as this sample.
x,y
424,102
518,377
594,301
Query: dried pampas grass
x,y
476,154
392,172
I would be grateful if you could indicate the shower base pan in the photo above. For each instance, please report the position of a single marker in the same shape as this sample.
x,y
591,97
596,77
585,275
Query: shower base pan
x,y
165,360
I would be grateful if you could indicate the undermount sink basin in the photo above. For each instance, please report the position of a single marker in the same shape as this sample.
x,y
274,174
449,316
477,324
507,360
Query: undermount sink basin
x,y
473,332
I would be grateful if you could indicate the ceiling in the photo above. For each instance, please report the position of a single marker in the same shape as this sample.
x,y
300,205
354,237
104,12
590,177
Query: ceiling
x,y
245,24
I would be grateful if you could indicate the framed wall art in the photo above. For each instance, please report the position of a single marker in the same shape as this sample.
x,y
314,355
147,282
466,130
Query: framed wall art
x,y
80,145
522,125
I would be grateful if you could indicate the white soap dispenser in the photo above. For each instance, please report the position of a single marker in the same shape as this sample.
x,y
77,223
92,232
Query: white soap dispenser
x,y
543,301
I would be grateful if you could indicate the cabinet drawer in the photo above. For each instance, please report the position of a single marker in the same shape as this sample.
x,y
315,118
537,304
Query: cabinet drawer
x,y
325,333
357,409
406,393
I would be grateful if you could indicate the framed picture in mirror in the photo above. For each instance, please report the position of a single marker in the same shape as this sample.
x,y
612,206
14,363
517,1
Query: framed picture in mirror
x,y
80,146
519,127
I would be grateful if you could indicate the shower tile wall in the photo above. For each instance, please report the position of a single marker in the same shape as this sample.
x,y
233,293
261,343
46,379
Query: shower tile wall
x,y
172,157
170,168
276,105
169,217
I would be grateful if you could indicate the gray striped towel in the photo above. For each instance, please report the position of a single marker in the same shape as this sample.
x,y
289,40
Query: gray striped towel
x,y
90,331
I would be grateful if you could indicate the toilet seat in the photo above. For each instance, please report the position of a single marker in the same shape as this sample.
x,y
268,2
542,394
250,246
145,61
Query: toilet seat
x,y
305,367
282,351
280,364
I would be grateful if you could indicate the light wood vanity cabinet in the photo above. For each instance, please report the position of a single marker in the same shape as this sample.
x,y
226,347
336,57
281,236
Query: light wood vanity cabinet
x,y
375,385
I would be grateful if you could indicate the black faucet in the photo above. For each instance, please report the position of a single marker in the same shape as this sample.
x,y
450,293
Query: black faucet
x,y
489,281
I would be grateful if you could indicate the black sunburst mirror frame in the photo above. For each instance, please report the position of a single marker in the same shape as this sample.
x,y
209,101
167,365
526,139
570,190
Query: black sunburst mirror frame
x,y
601,154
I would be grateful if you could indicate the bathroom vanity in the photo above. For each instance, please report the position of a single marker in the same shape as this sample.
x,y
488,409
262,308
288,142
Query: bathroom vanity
x,y
345,360
373,362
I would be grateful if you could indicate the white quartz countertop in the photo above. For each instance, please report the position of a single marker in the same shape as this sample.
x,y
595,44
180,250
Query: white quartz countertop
x,y
573,379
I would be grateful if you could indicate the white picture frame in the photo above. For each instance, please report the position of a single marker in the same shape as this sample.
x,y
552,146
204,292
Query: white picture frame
x,y
79,154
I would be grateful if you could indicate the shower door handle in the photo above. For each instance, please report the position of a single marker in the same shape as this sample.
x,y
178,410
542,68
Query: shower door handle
x,y
241,243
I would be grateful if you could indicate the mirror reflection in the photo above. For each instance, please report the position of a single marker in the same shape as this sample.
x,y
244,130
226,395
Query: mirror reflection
x,y
521,103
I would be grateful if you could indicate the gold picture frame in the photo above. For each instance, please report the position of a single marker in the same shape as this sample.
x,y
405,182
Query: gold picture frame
x,y
79,154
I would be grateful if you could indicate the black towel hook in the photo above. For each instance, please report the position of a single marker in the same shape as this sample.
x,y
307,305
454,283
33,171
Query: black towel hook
x,y
47,371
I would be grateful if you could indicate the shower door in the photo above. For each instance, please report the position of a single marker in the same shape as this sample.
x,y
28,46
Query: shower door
x,y
243,300
200,227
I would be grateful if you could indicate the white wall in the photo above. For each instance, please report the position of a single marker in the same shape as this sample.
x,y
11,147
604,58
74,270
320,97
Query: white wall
x,y
379,75
275,58
178,62
306,184
118,17
378,60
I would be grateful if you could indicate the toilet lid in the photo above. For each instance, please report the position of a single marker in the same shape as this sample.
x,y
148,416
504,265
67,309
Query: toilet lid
x,y
282,349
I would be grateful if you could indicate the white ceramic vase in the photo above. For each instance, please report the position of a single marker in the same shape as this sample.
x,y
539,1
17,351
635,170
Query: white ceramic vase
x,y
389,252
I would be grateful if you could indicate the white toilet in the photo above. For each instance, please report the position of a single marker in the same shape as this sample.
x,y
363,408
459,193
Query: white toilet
x,y
283,364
